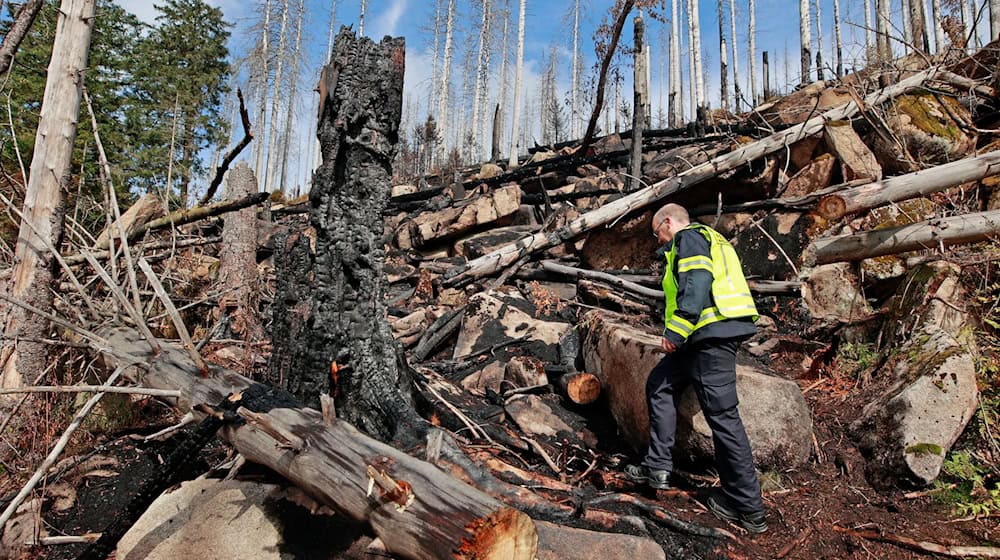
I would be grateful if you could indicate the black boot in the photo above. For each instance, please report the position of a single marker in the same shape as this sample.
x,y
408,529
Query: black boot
x,y
755,522
641,474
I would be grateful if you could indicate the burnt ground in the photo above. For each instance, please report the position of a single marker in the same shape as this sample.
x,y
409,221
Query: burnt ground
x,y
804,505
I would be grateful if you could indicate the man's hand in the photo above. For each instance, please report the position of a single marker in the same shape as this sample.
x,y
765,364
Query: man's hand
x,y
667,346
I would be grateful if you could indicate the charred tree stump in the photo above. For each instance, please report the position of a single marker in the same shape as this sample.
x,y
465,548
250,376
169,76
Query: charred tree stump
x,y
293,259
347,349
238,257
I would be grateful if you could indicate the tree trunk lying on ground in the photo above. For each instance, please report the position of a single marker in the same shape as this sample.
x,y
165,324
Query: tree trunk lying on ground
x,y
417,510
505,256
903,187
930,234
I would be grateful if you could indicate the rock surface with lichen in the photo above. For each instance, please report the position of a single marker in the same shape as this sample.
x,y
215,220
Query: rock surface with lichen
x,y
930,367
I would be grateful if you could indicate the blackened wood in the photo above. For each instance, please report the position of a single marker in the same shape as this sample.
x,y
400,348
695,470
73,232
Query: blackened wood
x,y
347,349
293,260
170,472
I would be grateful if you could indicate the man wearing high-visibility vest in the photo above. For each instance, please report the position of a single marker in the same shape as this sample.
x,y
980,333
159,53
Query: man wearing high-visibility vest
x,y
709,313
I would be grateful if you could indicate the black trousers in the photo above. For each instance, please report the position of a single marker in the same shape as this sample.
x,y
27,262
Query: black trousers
x,y
710,366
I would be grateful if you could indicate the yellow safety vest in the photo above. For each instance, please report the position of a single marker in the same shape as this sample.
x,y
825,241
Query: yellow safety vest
x,y
731,297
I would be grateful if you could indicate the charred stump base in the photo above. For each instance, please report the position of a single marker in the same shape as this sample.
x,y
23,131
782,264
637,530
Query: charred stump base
x,y
346,349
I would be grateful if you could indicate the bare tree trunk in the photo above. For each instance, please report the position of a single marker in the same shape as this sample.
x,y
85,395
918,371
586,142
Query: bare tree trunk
x,y
259,162
820,72
737,94
918,26
805,40
767,77
837,41
45,194
361,19
994,19
883,27
290,114
238,256
699,73
497,133
904,187
516,122
675,102
723,61
272,136
482,64
502,90
974,41
907,26
442,121
17,32
869,33
432,97
752,52
692,69
575,85
639,102
936,16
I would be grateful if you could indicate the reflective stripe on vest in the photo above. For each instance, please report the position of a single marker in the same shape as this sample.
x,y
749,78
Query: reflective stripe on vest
x,y
731,297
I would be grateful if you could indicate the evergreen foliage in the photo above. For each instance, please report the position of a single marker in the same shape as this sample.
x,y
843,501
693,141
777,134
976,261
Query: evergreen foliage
x,y
140,79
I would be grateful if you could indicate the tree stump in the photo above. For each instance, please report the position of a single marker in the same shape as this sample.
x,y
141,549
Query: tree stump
x,y
346,349
238,256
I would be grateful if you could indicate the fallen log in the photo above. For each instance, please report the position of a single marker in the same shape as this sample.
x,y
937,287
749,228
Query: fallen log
x,y
641,292
930,234
912,185
581,387
638,284
427,515
505,256
186,216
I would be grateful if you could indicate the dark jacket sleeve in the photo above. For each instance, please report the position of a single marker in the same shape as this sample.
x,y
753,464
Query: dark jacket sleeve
x,y
694,282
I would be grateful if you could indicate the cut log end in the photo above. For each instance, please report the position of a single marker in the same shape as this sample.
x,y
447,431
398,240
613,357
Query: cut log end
x,y
832,207
504,534
581,388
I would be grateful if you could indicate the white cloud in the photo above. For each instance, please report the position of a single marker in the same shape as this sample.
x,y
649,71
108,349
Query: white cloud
x,y
387,21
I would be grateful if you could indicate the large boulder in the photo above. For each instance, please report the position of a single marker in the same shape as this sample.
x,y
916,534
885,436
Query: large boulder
x,y
927,126
497,320
930,369
208,518
773,409
832,292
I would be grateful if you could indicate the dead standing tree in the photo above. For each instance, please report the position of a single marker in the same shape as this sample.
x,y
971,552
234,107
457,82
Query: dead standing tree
x,y
346,349
42,224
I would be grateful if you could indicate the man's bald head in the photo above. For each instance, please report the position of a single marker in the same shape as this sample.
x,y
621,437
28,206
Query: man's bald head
x,y
668,221
676,212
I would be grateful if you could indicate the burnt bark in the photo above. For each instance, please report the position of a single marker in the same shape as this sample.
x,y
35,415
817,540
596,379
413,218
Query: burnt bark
x,y
347,349
293,260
